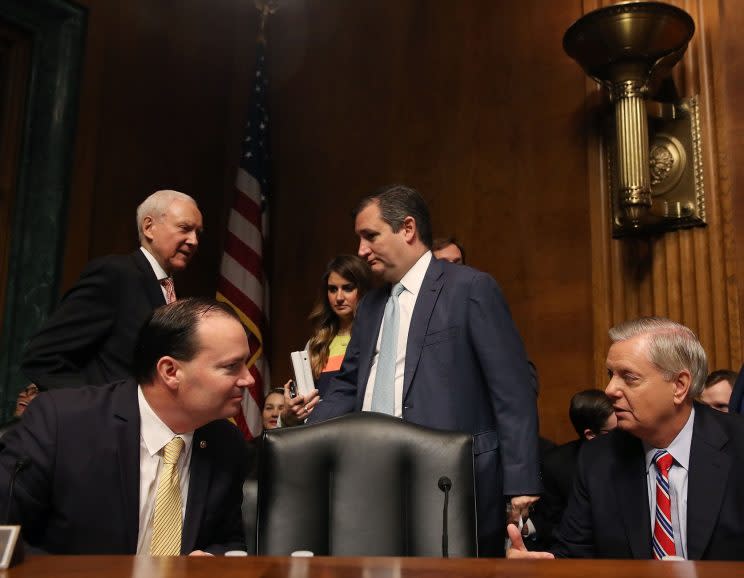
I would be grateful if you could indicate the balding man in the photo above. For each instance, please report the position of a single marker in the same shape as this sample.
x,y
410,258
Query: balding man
x,y
669,481
90,337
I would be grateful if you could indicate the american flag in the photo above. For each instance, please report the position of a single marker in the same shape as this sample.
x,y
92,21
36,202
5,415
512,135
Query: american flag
x,y
242,282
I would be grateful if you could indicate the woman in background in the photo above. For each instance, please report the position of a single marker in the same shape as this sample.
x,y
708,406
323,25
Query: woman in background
x,y
346,279
273,408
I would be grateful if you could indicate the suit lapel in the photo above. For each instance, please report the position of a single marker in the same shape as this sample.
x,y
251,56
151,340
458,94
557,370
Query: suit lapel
x,y
631,492
200,472
126,421
427,298
375,309
707,478
149,280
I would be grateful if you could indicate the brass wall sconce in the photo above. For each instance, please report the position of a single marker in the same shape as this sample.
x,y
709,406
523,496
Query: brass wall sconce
x,y
631,48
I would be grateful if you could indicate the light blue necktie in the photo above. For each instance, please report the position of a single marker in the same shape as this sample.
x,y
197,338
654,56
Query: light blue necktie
x,y
383,396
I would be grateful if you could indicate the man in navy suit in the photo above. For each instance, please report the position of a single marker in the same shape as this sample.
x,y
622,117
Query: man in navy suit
x,y
459,361
657,368
89,462
90,338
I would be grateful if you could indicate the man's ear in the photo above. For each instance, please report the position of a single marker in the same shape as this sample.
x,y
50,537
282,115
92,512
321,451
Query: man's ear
x,y
147,224
410,231
682,384
168,369
589,434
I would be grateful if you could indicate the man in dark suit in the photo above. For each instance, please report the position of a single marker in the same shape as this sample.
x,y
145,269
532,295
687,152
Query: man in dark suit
x,y
736,403
91,464
458,362
90,337
591,415
669,481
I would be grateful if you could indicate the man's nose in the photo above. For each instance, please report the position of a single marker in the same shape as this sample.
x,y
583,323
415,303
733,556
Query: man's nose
x,y
246,379
363,249
193,239
611,390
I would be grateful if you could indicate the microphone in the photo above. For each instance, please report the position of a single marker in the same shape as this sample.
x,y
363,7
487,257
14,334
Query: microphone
x,y
20,465
445,484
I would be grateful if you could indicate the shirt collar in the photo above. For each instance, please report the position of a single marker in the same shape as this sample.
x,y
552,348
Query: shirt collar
x,y
154,432
414,278
159,271
679,448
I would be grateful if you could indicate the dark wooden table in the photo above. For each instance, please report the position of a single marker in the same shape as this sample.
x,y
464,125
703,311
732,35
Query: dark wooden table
x,y
270,567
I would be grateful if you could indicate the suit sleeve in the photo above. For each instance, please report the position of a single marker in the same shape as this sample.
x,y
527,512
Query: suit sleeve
x,y
31,442
575,536
512,391
341,397
229,534
56,356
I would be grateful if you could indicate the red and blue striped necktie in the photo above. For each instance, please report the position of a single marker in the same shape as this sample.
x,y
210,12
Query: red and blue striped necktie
x,y
663,541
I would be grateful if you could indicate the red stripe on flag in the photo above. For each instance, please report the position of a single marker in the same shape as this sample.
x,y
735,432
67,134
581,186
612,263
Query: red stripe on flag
x,y
247,207
241,301
244,255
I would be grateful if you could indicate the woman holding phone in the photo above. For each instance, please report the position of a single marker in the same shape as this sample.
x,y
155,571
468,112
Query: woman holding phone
x,y
345,281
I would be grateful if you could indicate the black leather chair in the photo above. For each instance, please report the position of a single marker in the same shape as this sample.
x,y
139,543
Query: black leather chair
x,y
365,484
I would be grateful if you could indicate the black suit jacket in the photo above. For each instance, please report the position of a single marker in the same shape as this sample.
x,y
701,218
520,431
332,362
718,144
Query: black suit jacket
x,y
90,338
465,370
608,514
79,493
736,402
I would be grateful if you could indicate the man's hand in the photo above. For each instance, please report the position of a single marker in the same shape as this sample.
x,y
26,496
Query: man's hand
x,y
520,508
200,553
298,408
518,549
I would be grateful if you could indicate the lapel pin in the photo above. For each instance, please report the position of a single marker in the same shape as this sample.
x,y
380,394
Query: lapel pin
x,y
202,444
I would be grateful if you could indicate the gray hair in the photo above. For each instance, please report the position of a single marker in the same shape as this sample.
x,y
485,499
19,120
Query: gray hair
x,y
672,347
156,205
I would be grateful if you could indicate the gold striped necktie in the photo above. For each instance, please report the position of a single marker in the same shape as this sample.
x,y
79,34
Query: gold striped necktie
x,y
167,520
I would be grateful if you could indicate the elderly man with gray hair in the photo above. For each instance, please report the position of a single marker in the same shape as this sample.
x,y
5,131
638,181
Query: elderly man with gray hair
x,y
90,338
669,481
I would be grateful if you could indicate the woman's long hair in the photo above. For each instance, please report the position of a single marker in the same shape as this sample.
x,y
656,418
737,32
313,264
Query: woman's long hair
x,y
323,319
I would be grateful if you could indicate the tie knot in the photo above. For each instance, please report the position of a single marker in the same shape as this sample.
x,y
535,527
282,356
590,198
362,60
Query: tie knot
x,y
173,450
663,460
397,290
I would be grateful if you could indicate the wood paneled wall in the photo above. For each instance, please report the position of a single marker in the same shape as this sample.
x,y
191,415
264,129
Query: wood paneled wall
x,y
163,103
474,103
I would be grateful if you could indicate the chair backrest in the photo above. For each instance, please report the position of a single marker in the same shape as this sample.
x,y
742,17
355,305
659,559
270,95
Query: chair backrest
x,y
365,484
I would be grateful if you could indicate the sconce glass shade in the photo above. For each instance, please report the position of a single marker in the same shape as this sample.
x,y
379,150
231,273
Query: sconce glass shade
x,y
627,47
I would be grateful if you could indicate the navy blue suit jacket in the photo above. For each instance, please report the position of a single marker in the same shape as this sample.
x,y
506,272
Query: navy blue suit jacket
x,y
90,337
608,514
465,370
79,493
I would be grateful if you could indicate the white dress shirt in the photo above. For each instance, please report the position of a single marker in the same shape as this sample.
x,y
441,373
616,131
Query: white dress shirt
x,y
159,271
411,282
678,473
154,435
